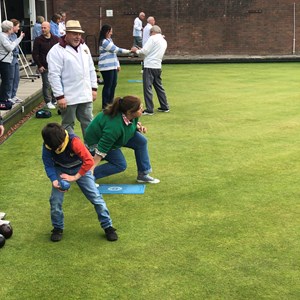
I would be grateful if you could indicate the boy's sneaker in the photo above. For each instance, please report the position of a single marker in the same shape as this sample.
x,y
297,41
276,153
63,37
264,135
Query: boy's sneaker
x,y
147,112
163,109
56,235
147,179
111,234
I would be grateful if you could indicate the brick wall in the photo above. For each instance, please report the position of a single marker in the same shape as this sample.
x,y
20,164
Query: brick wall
x,y
196,27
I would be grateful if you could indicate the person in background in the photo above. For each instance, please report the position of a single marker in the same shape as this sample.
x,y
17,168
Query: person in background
x,y
37,27
65,157
115,127
73,78
62,23
2,129
6,58
41,47
15,68
138,30
54,29
146,31
109,64
153,52
146,34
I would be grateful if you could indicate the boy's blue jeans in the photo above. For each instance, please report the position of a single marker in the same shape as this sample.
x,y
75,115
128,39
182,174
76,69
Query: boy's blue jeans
x,y
87,185
116,162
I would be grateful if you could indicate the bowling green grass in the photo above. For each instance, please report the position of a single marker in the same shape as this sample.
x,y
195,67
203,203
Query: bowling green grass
x,y
222,224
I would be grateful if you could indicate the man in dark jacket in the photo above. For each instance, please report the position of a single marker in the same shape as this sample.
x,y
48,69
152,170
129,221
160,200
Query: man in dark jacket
x,y
41,47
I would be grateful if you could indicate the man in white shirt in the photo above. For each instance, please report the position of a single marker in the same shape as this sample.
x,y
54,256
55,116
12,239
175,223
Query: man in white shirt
x,y
138,30
146,30
153,51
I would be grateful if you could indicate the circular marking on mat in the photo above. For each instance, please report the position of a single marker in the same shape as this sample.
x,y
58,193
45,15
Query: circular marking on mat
x,y
115,188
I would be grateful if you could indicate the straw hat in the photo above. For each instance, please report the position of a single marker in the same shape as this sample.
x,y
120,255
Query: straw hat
x,y
73,26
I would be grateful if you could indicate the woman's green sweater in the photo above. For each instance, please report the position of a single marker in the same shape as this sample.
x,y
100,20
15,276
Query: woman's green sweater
x,y
109,132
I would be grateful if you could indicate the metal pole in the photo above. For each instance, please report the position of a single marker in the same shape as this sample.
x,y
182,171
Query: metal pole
x,y
32,18
5,12
0,13
100,17
294,39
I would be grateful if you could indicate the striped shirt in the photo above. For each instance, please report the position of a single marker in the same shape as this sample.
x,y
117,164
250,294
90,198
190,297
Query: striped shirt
x,y
108,59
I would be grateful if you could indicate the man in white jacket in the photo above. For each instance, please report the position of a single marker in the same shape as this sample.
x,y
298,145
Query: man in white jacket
x,y
73,78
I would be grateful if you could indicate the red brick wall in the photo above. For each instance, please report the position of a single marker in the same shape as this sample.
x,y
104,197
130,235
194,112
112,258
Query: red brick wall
x,y
197,27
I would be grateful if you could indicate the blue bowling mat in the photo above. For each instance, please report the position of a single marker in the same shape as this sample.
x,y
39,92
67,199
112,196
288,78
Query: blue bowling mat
x,y
133,80
121,188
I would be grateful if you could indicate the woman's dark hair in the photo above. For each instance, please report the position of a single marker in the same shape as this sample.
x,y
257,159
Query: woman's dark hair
x,y
104,30
123,105
15,22
53,135
56,17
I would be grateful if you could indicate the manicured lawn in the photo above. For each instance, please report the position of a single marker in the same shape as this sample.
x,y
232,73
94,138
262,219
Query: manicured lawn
x,y
222,224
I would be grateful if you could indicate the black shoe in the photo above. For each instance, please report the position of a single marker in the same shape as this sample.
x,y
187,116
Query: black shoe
x,y
56,235
147,112
163,109
111,234
6,105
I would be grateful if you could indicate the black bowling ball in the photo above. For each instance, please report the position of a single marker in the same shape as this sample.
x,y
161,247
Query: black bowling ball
x,y
6,230
2,240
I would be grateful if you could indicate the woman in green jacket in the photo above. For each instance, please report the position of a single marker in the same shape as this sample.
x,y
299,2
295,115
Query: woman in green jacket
x,y
115,127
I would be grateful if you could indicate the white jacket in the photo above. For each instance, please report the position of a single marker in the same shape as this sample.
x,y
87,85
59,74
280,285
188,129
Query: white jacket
x,y
146,33
154,51
7,46
137,27
72,74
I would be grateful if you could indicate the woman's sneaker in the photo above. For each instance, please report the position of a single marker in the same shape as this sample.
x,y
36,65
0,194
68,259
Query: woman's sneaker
x,y
17,99
147,179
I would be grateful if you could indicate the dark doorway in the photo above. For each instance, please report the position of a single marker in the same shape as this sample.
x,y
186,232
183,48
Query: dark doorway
x,y
16,9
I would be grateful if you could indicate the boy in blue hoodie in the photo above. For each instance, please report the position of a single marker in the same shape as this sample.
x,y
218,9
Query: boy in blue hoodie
x,y
65,157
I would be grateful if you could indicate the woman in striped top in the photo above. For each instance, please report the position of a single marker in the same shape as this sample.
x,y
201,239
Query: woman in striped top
x,y
109,65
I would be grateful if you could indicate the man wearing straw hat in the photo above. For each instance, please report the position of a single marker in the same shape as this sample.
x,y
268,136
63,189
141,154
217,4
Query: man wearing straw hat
x,y
73,78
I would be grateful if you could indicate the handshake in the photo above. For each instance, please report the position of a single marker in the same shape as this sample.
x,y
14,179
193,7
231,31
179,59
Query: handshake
x,y
134,49
133,52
